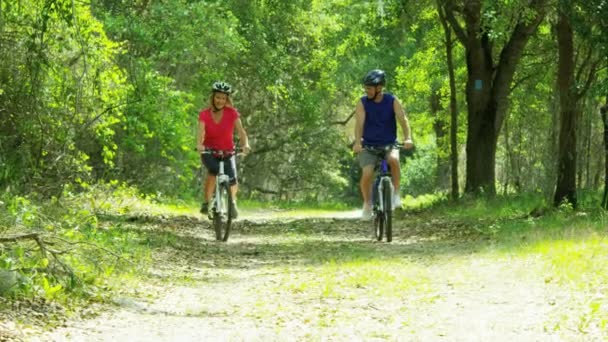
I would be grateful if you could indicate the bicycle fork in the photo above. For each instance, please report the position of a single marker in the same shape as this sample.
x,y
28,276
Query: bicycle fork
x,y
221,178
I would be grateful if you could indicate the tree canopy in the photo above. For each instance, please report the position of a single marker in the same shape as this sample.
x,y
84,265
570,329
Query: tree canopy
x,y
106,91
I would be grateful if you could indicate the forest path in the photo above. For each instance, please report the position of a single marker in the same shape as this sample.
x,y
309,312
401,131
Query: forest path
x,y
284,277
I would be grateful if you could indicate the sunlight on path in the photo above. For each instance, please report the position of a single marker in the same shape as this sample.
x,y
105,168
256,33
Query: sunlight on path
x,y
261,214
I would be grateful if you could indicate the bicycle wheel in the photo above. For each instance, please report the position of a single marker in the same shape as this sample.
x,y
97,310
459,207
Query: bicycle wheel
x,y
378,223
388,209
222,216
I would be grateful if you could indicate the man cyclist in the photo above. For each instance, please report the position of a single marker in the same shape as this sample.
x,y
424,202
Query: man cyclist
x,y
377,114
216,128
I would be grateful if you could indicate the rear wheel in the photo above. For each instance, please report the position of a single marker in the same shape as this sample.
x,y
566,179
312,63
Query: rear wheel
x,y
388,209
222,216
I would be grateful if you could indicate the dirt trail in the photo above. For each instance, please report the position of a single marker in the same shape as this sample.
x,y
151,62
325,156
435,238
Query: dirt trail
x,y
254,289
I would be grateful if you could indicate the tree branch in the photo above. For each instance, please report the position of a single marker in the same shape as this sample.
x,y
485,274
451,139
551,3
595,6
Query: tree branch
x,y
345,121
449,8
31,236
93,245
591,76
520,81
265,191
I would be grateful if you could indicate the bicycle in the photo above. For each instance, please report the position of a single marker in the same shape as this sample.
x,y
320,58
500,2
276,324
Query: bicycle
x,y
382,193
221,208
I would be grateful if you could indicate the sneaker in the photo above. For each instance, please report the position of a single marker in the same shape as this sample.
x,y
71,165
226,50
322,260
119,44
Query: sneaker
x,y
210,209
366,213
233,210
396,201
210,213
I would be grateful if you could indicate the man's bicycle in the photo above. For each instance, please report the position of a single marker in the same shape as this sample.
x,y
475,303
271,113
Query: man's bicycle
x,y
382,193
220,206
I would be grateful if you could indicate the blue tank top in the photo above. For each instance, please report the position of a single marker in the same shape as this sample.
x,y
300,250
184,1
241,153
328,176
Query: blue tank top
x,y
380,126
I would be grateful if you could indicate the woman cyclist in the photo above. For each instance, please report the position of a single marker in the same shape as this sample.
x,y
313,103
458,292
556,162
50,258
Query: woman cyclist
x,y
216,128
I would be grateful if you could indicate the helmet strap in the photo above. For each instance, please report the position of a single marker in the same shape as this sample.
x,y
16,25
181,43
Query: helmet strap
x,y
376,93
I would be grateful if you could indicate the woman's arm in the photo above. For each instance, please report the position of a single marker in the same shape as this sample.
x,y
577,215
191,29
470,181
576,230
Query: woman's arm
x,y
201,136
242,136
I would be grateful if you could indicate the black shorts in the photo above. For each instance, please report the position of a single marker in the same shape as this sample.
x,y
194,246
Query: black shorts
x,y
212,164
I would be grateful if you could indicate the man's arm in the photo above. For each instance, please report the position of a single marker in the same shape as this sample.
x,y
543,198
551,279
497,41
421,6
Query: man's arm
x,y
359,121
404,123
244,140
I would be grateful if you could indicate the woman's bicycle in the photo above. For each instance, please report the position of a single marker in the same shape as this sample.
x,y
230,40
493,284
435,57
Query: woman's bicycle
x,y
220,206
382,193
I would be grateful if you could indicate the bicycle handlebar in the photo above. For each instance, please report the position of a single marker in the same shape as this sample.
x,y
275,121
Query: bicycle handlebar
x,y
396,146
223,153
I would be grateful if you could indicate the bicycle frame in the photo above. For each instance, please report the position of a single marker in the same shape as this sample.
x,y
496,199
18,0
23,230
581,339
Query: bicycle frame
x,y
221,178
383,174
382,195
220,208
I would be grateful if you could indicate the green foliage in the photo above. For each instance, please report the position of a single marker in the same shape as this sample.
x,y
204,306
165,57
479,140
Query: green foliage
x,y
61,94
73,256
110,90
418,170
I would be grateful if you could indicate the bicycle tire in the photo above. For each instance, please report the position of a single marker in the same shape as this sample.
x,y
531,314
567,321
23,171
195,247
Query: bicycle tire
x,y
379,225
388,209
222,219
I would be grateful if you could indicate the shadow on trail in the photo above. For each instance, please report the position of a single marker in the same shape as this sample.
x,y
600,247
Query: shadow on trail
x,y
301,242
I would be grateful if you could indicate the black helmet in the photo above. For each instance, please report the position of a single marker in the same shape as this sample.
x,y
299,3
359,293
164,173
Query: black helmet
x,y
374,78
222,87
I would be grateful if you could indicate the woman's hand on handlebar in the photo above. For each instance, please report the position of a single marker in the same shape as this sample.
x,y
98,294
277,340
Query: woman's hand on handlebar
x,y
245,149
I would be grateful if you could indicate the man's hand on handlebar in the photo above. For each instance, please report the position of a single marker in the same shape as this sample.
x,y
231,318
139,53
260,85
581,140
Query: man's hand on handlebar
x,y
407,144
357,147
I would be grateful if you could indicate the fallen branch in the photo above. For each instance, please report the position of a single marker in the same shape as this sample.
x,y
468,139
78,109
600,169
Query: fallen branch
x,y
31,236
96,246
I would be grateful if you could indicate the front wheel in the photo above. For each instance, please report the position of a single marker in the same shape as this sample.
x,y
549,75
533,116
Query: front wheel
x,y
379,220
222,213
388,209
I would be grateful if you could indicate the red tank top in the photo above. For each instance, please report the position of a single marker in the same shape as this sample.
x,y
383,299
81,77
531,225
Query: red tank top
x,y
219,135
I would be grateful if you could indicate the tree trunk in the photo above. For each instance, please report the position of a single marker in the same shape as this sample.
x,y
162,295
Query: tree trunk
x,y
566,166
443,164
508,159
604,112
588,149
488,86
449,44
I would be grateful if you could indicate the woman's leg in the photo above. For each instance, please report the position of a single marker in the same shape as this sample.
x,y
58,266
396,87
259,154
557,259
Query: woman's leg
x,y
209,187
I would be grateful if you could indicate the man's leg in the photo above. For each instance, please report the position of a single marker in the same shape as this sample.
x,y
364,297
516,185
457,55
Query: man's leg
x,y
367,173
393,162
367,161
